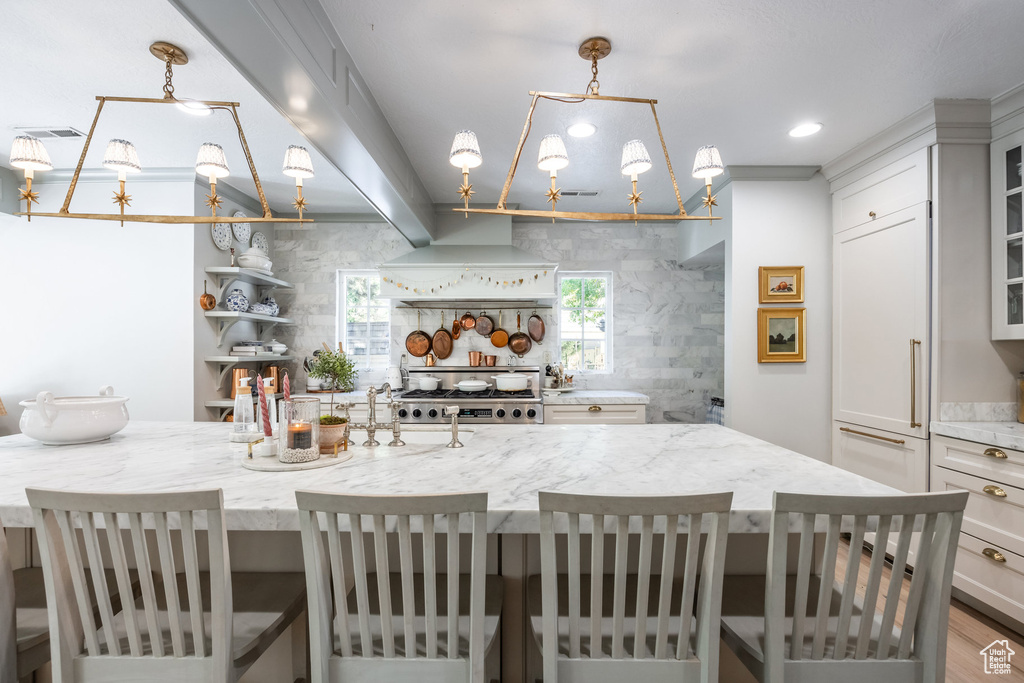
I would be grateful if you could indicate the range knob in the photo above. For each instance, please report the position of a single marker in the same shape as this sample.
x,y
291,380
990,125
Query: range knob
x,y
517,413
403,412
417,412
531,413
500,412
432,413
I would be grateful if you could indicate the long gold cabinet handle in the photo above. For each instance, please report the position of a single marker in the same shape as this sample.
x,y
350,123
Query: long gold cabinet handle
x,y
913,383
873,436
994,555
994,491
995,453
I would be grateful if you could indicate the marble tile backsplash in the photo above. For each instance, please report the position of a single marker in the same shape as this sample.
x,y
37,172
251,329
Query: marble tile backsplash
x,y
977,412
668,320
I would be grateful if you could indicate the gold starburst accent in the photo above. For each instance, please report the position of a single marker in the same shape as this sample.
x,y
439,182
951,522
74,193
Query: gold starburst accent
x,y
466,191
213,201
709,201
299,203
635,198
29,196
553,195
122,199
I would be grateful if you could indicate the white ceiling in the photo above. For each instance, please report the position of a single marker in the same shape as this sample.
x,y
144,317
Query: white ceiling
x,y
58,55
733,73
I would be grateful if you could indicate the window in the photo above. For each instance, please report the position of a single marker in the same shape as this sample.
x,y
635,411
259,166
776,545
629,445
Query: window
x,y
364,319
585,325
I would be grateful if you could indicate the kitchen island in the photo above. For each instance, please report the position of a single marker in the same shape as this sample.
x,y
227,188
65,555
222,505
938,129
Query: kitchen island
x,y
511,463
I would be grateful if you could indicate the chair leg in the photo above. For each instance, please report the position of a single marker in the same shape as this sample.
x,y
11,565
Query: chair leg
x,y
300,648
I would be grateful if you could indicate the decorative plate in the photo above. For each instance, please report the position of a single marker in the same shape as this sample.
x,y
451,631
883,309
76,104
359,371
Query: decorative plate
x,y
241,230
221,235
260,241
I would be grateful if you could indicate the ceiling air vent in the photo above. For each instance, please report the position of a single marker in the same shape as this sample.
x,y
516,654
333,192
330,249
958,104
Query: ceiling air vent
x,y
50,132
580,193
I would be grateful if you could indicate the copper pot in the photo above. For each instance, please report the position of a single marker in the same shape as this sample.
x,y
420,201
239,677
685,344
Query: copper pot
x,y
489,361
474,358
468,321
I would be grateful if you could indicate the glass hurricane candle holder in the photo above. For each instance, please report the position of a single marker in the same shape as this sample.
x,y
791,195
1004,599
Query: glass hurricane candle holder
x,y
299,430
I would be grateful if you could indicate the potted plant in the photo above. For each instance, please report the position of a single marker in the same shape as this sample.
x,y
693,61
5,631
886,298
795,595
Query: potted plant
x,y
336,370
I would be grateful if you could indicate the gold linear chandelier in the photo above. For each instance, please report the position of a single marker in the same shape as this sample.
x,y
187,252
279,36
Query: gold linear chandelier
x,y
28,154
465,154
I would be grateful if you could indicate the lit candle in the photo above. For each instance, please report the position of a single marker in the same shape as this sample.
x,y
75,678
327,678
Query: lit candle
x,y
300,435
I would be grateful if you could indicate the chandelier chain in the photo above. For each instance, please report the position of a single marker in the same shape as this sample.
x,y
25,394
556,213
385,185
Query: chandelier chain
x,y
594,85
168,75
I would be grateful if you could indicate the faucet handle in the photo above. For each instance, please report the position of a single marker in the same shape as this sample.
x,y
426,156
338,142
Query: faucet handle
x,y
452,410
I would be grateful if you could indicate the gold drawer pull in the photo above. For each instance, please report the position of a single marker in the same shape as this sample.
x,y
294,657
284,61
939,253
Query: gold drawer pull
x,y
994,555
871,214
594,409
994,491
995,453
873,436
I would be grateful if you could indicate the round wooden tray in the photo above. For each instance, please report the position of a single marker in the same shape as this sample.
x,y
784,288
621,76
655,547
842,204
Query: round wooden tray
x,y
272,464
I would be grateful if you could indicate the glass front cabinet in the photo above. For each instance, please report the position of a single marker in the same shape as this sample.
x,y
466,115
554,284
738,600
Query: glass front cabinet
x,y
1007,235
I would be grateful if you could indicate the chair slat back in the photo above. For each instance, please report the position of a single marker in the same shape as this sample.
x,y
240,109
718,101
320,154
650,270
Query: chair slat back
x,y
8,625
707,517
862,628
68,521
398,637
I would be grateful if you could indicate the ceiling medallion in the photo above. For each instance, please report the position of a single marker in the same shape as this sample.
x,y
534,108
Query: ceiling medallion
x,y
28,154
465,154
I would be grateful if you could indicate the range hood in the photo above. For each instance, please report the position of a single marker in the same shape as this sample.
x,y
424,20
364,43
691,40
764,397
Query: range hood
x,y
469,260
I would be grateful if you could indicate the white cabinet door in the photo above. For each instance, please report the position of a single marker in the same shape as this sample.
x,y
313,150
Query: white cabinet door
x,y
880,309
598,414
891,459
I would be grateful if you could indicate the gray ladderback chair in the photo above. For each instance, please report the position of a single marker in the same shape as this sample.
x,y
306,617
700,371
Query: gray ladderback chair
x,y
817,627
663,622
404,625
188,623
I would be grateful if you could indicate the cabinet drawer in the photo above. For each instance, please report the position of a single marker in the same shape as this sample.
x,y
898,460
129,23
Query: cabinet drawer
x,y
997,584
894,187
970,457
596,414
996,518
874,454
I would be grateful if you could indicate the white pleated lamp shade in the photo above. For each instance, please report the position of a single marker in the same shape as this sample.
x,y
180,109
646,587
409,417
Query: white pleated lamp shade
x,y
121,157
211,161
708,163
465,150
552,155
635,159
28,153
297,162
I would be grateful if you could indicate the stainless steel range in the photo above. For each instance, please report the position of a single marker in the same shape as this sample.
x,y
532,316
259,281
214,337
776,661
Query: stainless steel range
x,y
489,406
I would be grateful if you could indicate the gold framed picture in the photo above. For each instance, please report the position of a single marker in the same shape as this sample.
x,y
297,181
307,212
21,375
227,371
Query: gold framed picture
x,y
781,284
782,335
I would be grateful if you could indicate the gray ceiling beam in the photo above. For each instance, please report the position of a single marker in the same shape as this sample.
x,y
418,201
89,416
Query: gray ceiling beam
x,y
291,53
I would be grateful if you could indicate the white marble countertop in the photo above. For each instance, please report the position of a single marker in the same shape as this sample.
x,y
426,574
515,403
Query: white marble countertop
x,y
1002,434
510,462
587,397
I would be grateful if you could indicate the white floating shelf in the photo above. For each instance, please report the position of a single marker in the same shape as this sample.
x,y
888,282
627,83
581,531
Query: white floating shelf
x,y
225,363
225,320
225,276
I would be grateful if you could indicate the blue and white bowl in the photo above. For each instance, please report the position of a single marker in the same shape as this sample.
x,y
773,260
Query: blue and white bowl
x,y
237,301
262,309
269,301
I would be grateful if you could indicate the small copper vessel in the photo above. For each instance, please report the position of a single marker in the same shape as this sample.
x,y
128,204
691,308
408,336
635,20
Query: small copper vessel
x,y
489,361
429,360
475,357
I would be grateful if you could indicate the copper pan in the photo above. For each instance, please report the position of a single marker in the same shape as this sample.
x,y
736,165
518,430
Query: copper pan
x,y
519,342
499,337
418,342
442,341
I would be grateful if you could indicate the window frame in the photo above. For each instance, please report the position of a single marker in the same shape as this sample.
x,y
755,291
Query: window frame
x,y
609,328
341,332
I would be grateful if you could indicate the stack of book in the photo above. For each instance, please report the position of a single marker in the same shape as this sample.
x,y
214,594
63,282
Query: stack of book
x,y
250,349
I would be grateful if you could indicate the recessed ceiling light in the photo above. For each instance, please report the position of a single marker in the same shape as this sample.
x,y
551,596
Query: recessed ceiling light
x,y
805,129
582,130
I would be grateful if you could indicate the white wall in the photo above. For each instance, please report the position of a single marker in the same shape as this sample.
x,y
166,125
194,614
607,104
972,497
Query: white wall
x,y
779,223
88,303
